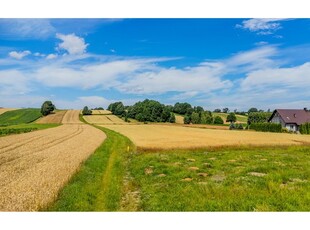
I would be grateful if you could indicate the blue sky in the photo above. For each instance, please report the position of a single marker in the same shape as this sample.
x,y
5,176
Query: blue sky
x,y
215,63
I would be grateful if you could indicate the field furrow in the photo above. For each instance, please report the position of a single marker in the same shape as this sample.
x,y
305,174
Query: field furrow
x,y
35,166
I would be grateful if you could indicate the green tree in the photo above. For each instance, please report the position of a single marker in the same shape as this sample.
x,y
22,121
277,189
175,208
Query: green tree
x,y
218,120
47,107
225,110
195,118
251,110
187,119
217,111
86,111
231,118
172,118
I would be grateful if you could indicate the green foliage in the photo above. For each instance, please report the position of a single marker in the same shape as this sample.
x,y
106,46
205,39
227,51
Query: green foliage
x,y
195,118
187,119
258,117
266,127
182,108
304,128
218,120
231,118
15,131
172,118
24,128
217,111
117,108
47,107
251,110
98,108
86,111
225,110
20,116
150,110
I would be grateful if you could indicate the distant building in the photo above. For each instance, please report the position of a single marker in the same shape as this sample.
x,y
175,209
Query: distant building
x,y
290,118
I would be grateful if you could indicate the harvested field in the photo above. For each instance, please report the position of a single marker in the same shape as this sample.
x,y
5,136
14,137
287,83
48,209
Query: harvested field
x,y
3,110
170,137
104,119
179,119
101,112
54,118
71,117
35,166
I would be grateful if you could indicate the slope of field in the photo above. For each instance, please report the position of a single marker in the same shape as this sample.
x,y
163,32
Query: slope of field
x,y
71,117
169,137
35,166
19,116
179,119
54,118
104,119
240,118
3,110
101,112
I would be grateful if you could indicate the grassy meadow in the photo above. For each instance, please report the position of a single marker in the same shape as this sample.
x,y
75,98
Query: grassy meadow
x,y
19,116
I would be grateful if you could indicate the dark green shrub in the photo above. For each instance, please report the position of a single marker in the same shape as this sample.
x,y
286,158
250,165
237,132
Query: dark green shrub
x,y
266,127
86,111
47,107
304,128
258,117
218,120
187,119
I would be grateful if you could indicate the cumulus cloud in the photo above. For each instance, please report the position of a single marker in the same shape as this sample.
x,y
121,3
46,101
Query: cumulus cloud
x,y
262,26
51,56
13,82
19,55
71,43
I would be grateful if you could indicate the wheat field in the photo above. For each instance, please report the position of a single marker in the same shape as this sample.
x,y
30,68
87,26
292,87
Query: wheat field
x,y
101,112
171,137
104,119
36,165
54,118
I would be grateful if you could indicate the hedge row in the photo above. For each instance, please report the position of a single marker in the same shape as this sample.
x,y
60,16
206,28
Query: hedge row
x,y
16,131
304,128
266,127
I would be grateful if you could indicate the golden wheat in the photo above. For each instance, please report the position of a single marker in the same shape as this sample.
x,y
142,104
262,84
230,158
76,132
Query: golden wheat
x,y
169,136
36,165
55,118
101,112
104,119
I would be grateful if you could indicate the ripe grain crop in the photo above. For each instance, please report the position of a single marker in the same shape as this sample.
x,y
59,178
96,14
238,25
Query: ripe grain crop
x,y
101,112
104,119
54,118
174,137
36,165
71,117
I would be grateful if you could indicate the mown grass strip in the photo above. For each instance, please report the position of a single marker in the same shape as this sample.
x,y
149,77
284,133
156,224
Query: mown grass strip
x,y
24,128
98,185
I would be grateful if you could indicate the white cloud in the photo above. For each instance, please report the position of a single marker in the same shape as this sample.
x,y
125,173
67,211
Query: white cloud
x,y
263,26
19,55
37,54
51,56
72,44
15,29
13,82
80,102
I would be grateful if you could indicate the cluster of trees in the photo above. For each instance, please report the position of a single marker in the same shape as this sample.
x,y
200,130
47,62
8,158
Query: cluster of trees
x,y
266,127
147,110
251,110
47,107
98,108
86,111
304,128
258,117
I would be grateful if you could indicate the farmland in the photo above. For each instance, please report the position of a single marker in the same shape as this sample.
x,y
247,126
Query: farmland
x,y
103,119
36,165
3,110
19,116
169,137
240,118
101,112
53,118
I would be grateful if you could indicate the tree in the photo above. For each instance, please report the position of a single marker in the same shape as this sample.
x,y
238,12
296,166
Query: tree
x,y
187,119
218,120
231,118
252,110
217,111
172,118
86,111
258,117
225,110
47,107
182,108
195,118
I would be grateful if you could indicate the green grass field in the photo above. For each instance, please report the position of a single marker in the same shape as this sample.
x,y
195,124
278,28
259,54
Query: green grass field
x,y
20,116
23,128
259,179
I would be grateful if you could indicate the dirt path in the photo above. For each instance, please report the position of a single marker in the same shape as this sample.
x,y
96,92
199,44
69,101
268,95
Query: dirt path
x,y
35,166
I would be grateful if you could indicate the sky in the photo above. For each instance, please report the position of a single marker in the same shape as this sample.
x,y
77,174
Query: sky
x,y
214,63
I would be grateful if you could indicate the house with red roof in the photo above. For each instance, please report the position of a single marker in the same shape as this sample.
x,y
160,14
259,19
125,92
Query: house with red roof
x,y
290,118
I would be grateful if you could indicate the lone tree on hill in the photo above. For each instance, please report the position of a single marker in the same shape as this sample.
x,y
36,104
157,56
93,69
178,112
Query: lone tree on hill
x,y
47,107
231,118
86,111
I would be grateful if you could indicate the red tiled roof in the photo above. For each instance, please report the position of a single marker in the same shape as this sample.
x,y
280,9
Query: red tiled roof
x,y
297,116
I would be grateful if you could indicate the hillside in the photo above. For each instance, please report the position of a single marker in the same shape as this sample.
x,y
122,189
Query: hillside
x,y
20,116
240,118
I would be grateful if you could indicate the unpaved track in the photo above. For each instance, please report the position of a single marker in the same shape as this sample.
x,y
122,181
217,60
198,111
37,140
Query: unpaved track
x,y
35,166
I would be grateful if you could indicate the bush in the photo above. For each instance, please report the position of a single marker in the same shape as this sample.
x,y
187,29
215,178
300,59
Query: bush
x,y
218,120
266,127
86,111
304,128
47,107
231,118
187,119
258,117
16,130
